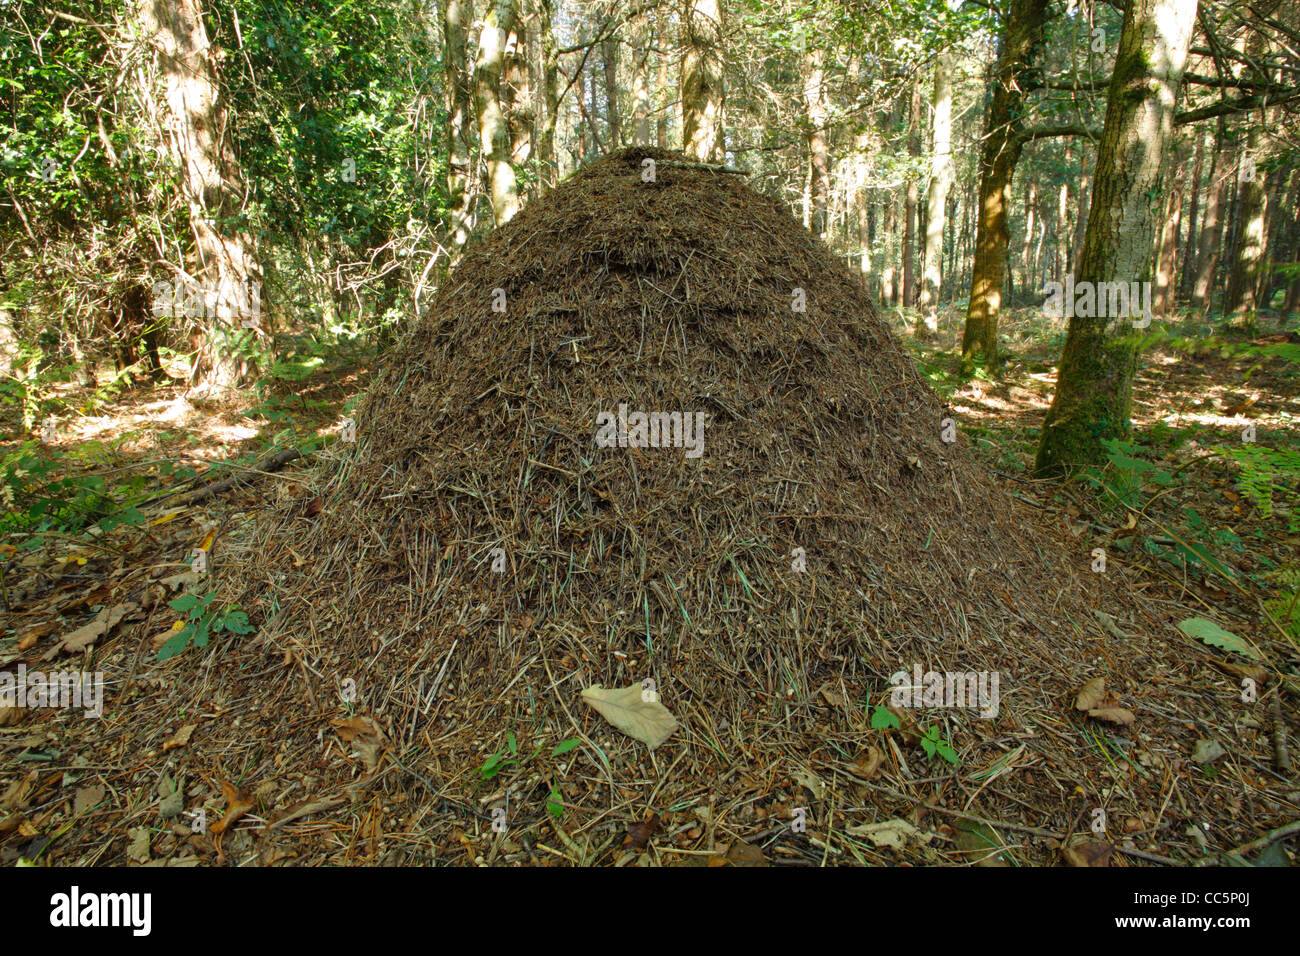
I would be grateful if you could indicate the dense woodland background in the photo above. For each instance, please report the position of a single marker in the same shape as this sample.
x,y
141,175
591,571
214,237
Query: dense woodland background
x,y
320,167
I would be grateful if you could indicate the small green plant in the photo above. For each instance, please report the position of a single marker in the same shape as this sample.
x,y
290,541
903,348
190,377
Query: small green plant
x,y
1267,477
933,743
882,718
204,621
1285,606
1124,476
510,755
502,758
554,803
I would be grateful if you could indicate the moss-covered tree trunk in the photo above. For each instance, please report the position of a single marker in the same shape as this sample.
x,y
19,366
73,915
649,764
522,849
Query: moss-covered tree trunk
x,y
1022,35
548,101
1094,386
911,195
641,43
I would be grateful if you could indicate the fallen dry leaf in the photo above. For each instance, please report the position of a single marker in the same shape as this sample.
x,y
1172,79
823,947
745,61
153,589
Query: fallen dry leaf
x,y
1090,694
15,798
1091,853
1109,626
639,833
139,848
867,764
1208,750
237,803
86,798
1113,715
630,712
34,634
1252,671
810,782
87,634
180,738
739,853
369,753
896,833
831,696
358,727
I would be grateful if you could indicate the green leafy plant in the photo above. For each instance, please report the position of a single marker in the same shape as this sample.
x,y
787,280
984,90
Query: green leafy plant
x,y
509,756
883,719
554,803
1266,477
934,744
41,497
1285,605
203,621
1125,475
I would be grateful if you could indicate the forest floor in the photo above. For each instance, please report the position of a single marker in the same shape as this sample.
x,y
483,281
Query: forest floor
x,y
1176,511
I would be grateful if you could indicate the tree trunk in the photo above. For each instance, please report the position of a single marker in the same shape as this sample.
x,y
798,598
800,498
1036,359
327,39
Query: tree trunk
x,y
641,80
1212,228
493,133
936,200
1031,222
1277,235
911,196
517,87
664,99
456,17
889,274
1292,301
814,101
1081,219
548,104
1094,387
1162,296
609,60
702,83
1187,273
198,142
1022,36
1249,238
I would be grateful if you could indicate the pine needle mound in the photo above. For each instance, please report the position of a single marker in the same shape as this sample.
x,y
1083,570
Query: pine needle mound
x,y
621,564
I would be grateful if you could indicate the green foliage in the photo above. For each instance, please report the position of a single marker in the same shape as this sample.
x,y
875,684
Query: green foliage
x,y
1129,478
1207,632
40,496
1125,476
1266,475
936,745
555,803
204,620
510,756
1284,606
883,719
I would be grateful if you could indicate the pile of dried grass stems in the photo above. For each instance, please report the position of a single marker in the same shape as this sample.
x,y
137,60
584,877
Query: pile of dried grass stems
x,y
629,563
